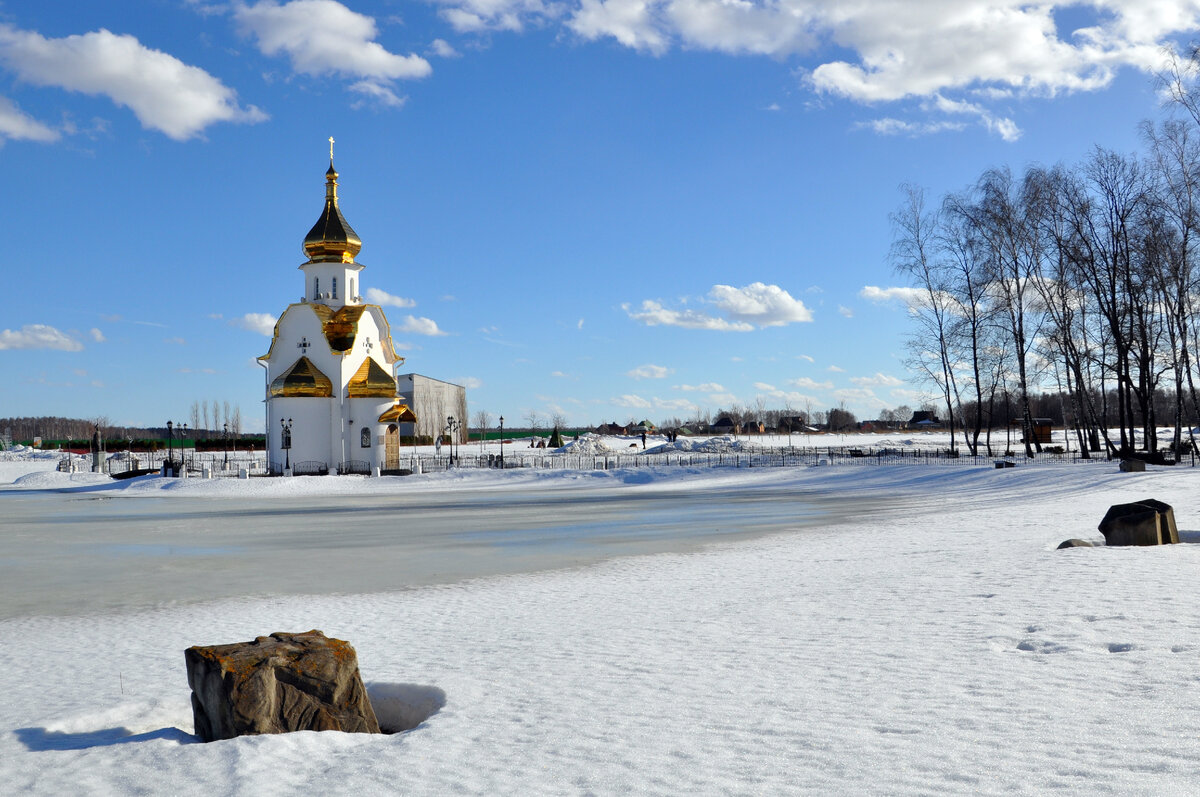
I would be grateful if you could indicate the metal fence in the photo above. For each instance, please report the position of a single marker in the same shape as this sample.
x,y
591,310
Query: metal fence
x,y
216,465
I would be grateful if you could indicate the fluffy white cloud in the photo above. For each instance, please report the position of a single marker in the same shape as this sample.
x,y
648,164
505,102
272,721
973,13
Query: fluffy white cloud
x,y
630,22
845,311
652,314
633,401
887,50
38,336
707,387
759,304
163,92
421,326
810,384
469,382
442,49
376,296
648,372
324,37
743,309
17,125
262,323
878,380
473,16
910,297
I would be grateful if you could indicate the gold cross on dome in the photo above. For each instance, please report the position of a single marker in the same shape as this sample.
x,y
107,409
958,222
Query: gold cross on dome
x,y
331,149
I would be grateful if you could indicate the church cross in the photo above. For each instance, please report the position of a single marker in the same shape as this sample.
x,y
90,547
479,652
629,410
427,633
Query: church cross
x,y
303,344
331,149
368,344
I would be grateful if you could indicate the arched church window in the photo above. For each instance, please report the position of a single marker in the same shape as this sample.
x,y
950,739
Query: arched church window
x,y
365,437
335,287
352,294
316,287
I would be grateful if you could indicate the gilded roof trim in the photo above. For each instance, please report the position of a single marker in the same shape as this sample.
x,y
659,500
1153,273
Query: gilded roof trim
x,y
302,380
398,413
371,380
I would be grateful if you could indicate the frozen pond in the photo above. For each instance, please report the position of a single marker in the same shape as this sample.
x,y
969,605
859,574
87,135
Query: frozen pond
x,y
84,552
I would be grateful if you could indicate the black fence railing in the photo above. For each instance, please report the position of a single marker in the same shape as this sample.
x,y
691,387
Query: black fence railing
x,y
215,465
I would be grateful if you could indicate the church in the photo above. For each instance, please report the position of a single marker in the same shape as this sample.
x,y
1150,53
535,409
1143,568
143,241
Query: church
x,y
331,398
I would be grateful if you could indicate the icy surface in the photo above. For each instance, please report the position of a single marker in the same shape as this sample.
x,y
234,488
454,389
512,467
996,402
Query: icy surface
x,y
938,646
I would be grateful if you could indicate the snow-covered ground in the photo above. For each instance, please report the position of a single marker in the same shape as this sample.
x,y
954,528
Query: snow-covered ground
x,y
937,644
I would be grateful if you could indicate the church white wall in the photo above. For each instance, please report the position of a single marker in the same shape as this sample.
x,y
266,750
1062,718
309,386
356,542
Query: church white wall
x,y
311,439
346,275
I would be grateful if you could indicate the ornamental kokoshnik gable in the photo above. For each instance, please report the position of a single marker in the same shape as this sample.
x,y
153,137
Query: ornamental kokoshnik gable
x,y
331,399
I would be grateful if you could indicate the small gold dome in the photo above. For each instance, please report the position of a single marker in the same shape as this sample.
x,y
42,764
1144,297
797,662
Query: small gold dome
x,y
331,239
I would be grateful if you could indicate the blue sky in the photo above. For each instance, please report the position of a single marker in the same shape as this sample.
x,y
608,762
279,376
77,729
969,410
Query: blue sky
x,y
605,209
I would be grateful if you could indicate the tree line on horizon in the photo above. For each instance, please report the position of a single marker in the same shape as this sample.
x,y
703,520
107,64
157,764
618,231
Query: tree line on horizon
x,y
1082,281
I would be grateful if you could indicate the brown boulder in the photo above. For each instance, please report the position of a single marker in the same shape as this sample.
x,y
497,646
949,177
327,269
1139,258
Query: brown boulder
x,y
1146,522
276,684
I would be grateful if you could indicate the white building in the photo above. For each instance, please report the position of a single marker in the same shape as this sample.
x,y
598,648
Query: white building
x,y
434,402
331,396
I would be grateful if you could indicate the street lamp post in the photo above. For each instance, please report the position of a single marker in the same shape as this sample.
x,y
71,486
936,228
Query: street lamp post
x,y
170,454
501,442
226,446
286,441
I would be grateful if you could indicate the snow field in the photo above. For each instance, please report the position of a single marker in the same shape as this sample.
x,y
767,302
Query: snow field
x,y
945,647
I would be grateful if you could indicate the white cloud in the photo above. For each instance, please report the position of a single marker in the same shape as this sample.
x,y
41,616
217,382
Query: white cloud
x,y
442,49
630,22
886,50
634,401
878,380
262,323
766,388
324,37
420,326
707,387
910,297
97,335
760,304
810,384
755,305
833,369
379,92
654,314
176,341
648,372
845,311
580,324
163,92
376,296
889,126
38,336
856,394
469,382
473,16
16,125
805,357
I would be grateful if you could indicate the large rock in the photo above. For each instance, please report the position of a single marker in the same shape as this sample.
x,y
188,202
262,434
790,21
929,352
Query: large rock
x,y
276,684
1146,522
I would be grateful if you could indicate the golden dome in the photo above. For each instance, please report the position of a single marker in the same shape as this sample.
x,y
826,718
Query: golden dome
x,y
302,380
331,239
371,381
